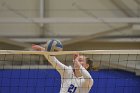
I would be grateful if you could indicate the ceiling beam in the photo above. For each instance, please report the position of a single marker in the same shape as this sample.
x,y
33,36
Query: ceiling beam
x,y
68,20
102,46
138,2
125,9
14,43
94,36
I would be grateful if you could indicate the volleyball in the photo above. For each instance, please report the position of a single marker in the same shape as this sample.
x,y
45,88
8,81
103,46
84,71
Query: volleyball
x,y
53,45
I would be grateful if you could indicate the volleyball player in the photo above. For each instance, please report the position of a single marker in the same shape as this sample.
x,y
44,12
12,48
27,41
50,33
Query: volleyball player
x,y
73,80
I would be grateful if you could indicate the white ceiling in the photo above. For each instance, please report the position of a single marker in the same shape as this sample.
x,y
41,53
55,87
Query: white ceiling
x,y
69,9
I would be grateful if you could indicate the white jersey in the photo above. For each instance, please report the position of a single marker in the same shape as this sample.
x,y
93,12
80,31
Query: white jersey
x,y
69,82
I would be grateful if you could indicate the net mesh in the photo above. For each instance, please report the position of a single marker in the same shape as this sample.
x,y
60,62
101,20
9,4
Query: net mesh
x,y
30,72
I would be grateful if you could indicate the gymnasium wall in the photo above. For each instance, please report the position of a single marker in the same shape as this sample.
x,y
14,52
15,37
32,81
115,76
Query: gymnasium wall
x,y
48,81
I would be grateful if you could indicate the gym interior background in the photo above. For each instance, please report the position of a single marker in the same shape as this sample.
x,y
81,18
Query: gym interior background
x,y
79,25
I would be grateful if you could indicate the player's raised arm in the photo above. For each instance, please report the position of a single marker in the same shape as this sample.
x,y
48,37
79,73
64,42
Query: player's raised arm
x,y
72,78
53,45
60,67
81,64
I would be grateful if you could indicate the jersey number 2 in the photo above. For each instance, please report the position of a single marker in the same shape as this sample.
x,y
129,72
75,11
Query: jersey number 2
x,y
72,89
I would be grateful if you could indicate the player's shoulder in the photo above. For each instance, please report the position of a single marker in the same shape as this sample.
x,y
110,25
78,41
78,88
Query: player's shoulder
x,y
70,67
70,70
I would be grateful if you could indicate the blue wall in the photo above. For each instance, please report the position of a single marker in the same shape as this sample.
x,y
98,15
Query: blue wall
x,y
48,81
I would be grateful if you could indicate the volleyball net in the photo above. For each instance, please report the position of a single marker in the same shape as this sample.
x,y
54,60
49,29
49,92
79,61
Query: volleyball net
x,y
30,72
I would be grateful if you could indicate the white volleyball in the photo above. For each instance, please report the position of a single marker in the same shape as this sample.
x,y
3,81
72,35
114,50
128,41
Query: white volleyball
x,y
53,45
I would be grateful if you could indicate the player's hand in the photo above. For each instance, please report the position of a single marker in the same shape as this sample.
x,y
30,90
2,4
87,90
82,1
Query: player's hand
x,y
37,47
76,61
75,56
